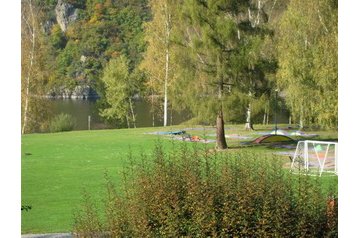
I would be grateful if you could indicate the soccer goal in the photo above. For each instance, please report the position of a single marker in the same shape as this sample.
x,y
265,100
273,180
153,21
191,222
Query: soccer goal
x,y
315,157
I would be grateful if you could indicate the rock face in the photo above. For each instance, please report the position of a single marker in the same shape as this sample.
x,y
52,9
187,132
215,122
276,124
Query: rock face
x,y
65,14
79,92
47,26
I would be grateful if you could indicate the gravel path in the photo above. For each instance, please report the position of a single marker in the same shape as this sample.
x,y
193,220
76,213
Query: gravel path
x,y
50,235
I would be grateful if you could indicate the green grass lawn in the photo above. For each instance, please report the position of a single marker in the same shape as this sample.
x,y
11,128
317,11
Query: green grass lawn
x,y
56,167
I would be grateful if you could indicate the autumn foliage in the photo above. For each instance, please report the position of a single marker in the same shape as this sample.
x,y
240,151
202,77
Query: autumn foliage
x,y
193,193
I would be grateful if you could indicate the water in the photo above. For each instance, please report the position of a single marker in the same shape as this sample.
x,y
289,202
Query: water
x,y
81,109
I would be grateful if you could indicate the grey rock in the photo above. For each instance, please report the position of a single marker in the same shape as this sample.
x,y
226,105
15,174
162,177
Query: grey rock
x,y
65,14
79,92
47,26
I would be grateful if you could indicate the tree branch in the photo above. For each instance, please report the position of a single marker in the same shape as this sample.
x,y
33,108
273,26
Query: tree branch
x,y
321,20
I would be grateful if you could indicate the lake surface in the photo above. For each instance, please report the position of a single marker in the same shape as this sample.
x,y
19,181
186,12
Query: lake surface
x,y
81,109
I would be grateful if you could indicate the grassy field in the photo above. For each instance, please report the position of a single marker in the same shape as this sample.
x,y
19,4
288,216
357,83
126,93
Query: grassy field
x,y
57,167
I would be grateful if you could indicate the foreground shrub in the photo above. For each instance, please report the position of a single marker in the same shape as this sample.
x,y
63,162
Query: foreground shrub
x,y
197,194
62,122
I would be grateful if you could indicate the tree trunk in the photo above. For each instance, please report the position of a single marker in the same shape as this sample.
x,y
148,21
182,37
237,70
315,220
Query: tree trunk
x,y
153,116
166,88
301,118
171,115
220,131
31,29
264,120
127,118
167,36
248,125
132,112
153,119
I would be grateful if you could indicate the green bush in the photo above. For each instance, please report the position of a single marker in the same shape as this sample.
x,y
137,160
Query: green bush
x,y
62,122
195,193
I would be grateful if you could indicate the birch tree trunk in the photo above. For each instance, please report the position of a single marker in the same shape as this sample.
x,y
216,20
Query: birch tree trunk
x,y
31,29
152,109
132,112
166,86
301,118
248,125
167,36
264,119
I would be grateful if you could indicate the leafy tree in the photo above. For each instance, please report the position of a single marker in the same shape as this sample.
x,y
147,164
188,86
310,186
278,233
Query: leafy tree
x,y
29,31
307,54
34,68
120,86
157,61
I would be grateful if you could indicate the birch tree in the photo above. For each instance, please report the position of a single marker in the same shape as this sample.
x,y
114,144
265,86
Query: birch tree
x,y
119,86
157,60
35,68
28,40
307,54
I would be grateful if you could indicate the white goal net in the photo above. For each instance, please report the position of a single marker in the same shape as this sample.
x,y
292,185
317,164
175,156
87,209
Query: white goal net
x,y
315,157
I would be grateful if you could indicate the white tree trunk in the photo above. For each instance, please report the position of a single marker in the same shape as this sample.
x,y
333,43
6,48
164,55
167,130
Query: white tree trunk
x,y
132,112
31,29
166,86
248,125
167,36
264,120
153,116
301,118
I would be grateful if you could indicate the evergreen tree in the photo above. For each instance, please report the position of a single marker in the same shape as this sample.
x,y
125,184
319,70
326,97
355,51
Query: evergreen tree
x,y
219,54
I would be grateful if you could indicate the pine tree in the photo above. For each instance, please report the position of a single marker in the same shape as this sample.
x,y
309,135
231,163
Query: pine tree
x,y
220,57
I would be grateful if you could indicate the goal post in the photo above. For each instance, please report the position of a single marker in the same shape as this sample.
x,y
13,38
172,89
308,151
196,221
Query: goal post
x,y
315,157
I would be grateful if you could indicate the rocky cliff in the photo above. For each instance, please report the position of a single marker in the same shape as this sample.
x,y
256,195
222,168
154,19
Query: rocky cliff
x,y
65,14
79,92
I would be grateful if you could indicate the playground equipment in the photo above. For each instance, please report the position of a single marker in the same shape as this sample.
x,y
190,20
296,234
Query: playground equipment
x,y
315,157
272,139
